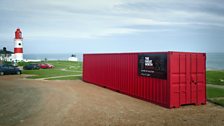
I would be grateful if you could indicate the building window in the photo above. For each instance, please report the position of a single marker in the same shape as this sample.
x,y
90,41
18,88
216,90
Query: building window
x,y
19,44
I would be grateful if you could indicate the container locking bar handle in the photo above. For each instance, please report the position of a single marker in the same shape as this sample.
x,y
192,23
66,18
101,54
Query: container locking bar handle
x,y
194,81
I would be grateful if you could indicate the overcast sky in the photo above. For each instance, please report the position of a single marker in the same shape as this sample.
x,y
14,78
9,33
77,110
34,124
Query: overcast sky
x,y
67,26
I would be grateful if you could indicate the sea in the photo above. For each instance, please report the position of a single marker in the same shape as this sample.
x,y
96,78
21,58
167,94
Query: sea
x,y
214,61
51,57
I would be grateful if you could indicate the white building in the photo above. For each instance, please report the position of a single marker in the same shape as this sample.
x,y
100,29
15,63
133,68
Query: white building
x,y
6,55
73,58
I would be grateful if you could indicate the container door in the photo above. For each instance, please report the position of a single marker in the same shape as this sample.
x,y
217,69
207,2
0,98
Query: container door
x,y
187,79
197,81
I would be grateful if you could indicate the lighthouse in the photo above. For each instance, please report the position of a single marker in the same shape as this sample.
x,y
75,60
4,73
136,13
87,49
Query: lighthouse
x,y
18,48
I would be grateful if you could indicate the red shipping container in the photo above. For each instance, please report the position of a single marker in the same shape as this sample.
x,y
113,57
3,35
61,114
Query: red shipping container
x,y
169,79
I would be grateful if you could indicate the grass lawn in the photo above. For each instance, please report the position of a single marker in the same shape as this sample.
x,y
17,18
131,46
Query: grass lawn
x,y
215,77
62,68
213,92
215,95
67,65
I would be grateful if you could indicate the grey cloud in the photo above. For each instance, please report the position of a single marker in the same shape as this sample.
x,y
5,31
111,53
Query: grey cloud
x,y
211,7
50,15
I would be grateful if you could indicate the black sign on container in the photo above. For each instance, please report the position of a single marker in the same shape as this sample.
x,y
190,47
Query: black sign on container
x,y
153,65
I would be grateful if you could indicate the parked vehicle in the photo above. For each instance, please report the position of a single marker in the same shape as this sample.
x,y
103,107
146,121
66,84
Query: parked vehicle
x,y
45,66
9,69
31,67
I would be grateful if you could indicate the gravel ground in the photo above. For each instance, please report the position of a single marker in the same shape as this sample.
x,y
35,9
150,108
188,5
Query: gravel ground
x,y
76,103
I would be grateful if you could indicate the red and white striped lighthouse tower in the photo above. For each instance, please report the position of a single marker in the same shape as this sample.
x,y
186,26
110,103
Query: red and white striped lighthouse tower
x,y
18,49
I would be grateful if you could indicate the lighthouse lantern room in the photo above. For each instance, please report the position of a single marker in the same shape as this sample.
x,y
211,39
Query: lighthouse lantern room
x,y
18,49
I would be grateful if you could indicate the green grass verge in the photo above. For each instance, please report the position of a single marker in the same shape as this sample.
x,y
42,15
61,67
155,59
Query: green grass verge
x,y
215,95
218,101
213,92
215,77
62,68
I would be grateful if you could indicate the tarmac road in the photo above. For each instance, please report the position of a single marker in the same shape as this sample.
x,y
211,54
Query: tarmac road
x,y
75,103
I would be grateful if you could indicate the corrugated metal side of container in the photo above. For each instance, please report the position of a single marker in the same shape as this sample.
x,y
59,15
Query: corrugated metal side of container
x,y
119,72
187,78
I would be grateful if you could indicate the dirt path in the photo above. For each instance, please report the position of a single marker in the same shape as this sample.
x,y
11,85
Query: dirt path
x,y
215,86
76,103
71,70
58,77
